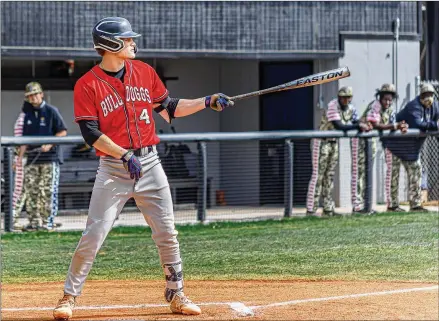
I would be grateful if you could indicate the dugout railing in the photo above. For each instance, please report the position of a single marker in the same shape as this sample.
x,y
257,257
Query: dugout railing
x,y
214,154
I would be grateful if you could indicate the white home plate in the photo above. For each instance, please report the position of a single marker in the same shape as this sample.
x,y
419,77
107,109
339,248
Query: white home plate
x,y
242,310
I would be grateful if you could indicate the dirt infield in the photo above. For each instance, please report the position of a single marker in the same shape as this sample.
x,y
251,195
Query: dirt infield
x,y
226,300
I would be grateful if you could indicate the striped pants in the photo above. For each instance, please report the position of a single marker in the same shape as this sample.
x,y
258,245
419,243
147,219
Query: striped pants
x,y
324,162
41,184
19,196
393,165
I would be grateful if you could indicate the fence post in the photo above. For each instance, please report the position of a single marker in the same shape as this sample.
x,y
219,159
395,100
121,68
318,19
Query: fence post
x,y
9,188
369,176
417,84
289,184
202,184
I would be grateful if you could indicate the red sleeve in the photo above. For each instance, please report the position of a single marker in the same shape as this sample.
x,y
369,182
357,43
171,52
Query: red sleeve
x,y
84,104
159,91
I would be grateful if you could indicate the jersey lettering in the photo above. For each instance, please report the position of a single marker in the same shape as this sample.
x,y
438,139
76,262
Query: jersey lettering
x,y
137,94
110,103
144,116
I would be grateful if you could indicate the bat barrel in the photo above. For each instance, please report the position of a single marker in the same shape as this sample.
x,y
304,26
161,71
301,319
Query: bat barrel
x,y
316,79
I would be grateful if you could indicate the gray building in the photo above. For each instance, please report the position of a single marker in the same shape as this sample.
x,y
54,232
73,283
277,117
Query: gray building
x,y
232,47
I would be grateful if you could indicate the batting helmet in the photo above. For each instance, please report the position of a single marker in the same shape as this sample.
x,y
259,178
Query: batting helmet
x,y
108,32
345,92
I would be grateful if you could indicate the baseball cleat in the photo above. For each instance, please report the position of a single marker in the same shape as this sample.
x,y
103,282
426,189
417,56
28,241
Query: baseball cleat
x,y
419,209
395,209
64,309
181,304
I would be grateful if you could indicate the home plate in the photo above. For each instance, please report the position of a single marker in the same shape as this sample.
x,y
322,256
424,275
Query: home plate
x,y
242,310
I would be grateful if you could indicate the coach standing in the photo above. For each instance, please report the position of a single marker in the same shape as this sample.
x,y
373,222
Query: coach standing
x,y
42,169
421,113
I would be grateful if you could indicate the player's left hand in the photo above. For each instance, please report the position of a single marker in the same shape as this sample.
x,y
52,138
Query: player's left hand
x,y
218,102
132,165
46,148
403,126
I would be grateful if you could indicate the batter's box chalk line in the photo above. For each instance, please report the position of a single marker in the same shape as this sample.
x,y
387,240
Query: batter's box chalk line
x,y
241,309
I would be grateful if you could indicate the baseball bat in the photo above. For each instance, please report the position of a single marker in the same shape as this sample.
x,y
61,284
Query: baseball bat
x,y
316,79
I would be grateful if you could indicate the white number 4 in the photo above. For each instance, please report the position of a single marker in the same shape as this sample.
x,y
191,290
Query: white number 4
x,y
144,116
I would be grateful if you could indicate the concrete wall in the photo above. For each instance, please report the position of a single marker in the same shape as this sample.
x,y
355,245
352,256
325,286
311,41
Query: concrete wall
x,y
370,62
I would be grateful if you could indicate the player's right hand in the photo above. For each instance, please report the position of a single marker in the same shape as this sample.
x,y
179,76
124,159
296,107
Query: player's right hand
x,y
132,165
403,126
218,102
365,127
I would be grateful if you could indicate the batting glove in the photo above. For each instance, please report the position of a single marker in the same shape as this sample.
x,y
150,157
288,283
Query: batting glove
x,y
132,165
218,102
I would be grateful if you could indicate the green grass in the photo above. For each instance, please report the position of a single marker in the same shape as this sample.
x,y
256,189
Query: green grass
x,y
380,247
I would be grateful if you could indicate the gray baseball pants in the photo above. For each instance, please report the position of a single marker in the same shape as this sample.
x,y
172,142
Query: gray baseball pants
x,y
113,187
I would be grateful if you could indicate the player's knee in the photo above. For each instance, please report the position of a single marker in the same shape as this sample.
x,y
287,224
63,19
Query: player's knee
x,y
166,239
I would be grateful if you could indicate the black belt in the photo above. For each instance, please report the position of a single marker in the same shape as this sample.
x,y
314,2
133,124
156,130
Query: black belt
x,y
144,150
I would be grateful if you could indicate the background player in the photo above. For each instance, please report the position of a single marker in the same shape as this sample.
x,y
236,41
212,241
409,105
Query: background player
x,y
113,103
341,115
380,114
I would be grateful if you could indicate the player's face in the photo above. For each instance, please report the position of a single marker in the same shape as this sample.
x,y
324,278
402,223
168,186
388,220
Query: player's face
x,y
128,52
344,101
35,99
386,101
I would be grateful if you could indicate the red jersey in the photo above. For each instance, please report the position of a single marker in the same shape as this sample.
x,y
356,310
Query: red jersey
x,y
123,110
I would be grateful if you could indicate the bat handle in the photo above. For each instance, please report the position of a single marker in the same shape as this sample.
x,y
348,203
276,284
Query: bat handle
x,y
240,97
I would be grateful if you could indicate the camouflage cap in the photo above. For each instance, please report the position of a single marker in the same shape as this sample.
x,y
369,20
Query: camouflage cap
x,y
345,92
387,88
427,88
33,88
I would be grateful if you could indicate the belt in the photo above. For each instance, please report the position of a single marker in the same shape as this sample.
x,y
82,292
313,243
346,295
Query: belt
x,y
145,150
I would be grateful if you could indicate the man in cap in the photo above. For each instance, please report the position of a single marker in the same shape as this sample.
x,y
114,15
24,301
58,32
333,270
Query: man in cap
x,y
340,115
381,115
421,113
42,169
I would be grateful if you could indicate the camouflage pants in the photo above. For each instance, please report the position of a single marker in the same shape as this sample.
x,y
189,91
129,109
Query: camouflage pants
x,y
393,165
414,173
358,182
324,161
41,185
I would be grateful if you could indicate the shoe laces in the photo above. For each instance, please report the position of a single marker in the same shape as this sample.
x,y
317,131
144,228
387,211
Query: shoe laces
x,y
183,298
67,300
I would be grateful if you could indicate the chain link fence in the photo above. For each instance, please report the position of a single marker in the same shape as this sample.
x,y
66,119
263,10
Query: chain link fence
x,y
429,157
227,176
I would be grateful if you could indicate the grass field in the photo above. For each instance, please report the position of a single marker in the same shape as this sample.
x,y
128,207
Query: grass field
x,y
381,247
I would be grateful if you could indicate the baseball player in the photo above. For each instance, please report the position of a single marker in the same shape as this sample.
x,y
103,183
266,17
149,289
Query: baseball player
x,y
113,105
421,113
380,114
341,115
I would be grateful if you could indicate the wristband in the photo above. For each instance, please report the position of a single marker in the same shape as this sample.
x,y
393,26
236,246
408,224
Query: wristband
x,y
127,156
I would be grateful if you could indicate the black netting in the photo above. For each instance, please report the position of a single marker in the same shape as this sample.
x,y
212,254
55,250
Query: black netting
x,y
245,180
